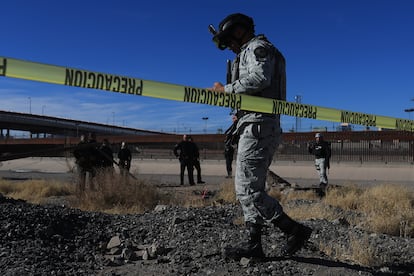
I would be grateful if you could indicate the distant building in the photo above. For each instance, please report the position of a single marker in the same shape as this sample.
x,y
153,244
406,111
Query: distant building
x,y
344,127
319,129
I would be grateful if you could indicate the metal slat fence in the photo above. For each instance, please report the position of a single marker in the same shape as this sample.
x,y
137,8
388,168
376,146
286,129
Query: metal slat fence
x,y
365,146
349,151
361,147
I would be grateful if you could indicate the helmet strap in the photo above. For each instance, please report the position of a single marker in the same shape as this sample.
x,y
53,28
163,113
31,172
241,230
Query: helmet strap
x,y
240,37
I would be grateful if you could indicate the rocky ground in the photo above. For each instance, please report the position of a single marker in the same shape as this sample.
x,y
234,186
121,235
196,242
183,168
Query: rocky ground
x,y
58,240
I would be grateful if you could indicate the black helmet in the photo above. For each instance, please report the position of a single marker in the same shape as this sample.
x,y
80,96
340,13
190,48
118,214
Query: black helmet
x,y
227,25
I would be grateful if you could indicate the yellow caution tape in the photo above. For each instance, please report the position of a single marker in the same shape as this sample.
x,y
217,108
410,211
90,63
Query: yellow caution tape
x,y
21,69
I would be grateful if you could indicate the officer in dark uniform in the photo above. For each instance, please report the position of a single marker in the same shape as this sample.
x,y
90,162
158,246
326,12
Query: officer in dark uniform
x,y
81,154
94,156
106,157
86,156
184,151
197,164
125,158
228,155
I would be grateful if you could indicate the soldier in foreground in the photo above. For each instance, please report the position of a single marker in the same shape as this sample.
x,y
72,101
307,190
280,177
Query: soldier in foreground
x,y
258,70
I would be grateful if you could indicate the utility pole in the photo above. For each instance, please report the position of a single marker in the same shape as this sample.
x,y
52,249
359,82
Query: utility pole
x,y
30,105
298,99
409,110
205,126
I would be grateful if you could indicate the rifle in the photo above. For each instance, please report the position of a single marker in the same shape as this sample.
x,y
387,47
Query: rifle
x,y
230,137
228,72
106,156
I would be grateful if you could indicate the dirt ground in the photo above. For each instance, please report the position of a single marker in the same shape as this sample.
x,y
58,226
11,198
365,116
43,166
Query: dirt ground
x,y
166,171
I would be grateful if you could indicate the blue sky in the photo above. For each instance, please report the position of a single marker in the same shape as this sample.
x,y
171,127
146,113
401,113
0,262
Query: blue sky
x,y
354,55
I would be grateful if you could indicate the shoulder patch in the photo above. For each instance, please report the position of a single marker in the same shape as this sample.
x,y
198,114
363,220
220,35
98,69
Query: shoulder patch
x,y
260,52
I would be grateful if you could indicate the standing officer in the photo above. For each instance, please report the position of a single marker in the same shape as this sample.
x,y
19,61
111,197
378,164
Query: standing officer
x,y
81,154
228,155
106,157
186,158
86,160
125,158
258,70
322,151
94,157
196,161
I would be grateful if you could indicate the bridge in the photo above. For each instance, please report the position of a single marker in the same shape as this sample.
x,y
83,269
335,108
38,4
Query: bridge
x,y
53,136
40,125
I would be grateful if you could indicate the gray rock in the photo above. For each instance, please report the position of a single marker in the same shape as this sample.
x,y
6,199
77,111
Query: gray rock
x,y
114,242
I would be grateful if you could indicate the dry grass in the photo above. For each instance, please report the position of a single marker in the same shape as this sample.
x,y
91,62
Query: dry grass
x,y
114,195
190,198
346,197
389,209
110,194
35,191
227,192
363,252
359,251
396,203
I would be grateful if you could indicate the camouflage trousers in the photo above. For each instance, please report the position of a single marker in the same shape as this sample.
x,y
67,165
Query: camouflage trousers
x,y
256,147
320,165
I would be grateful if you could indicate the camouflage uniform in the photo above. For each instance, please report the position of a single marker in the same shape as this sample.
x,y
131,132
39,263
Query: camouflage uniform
x,y
258,70
322,151
259,133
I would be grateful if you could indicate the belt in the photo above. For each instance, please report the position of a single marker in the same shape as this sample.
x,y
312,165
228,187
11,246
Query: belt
x,y
241,113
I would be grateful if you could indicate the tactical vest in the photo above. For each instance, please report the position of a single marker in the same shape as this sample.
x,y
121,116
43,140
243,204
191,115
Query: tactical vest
x,y
277,89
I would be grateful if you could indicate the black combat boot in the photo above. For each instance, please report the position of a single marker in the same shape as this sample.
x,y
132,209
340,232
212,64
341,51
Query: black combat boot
x,y
322,189
297,234
250,249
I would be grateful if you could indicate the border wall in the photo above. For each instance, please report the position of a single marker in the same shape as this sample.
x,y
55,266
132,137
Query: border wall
x,y
352,146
